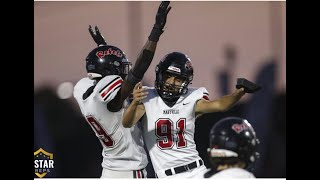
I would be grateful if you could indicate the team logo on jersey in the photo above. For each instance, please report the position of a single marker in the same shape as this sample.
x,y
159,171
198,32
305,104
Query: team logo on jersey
x,y
43,162
171,111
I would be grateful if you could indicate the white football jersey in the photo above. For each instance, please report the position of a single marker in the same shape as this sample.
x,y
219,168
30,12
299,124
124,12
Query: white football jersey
x,y
122,147
169,131
233,173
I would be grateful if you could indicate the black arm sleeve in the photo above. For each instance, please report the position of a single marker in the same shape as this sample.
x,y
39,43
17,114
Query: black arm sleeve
x,y
135,75
141,66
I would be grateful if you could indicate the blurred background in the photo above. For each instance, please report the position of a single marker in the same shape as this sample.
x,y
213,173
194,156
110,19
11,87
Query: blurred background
x,y
225,40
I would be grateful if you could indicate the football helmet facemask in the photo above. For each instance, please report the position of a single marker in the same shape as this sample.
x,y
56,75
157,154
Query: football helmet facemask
x,y
173,64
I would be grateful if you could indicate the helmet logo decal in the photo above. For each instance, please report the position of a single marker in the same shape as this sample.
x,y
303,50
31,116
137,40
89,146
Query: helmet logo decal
x,y
110,51
175,69
239,127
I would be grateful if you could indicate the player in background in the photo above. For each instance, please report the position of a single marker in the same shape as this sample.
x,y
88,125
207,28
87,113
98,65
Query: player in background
x,y
232,149
170,110
101,97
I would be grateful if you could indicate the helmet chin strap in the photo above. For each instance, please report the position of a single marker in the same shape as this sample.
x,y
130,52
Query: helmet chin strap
x,y
170,101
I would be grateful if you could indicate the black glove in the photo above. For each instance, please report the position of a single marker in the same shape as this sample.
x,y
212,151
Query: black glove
x,y
249,87
96,36
161,19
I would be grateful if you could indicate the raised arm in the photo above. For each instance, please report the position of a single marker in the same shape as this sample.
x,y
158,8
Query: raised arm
x,y
226,102
97,36
135,110
144,59
220,105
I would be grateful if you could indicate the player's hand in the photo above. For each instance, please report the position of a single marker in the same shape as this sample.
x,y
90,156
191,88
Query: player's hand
x,y
240,91
248,86
139,93
96,36
161,17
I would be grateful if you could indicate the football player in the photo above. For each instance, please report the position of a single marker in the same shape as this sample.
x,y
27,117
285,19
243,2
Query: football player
x,y
101,98
170,110
232,149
